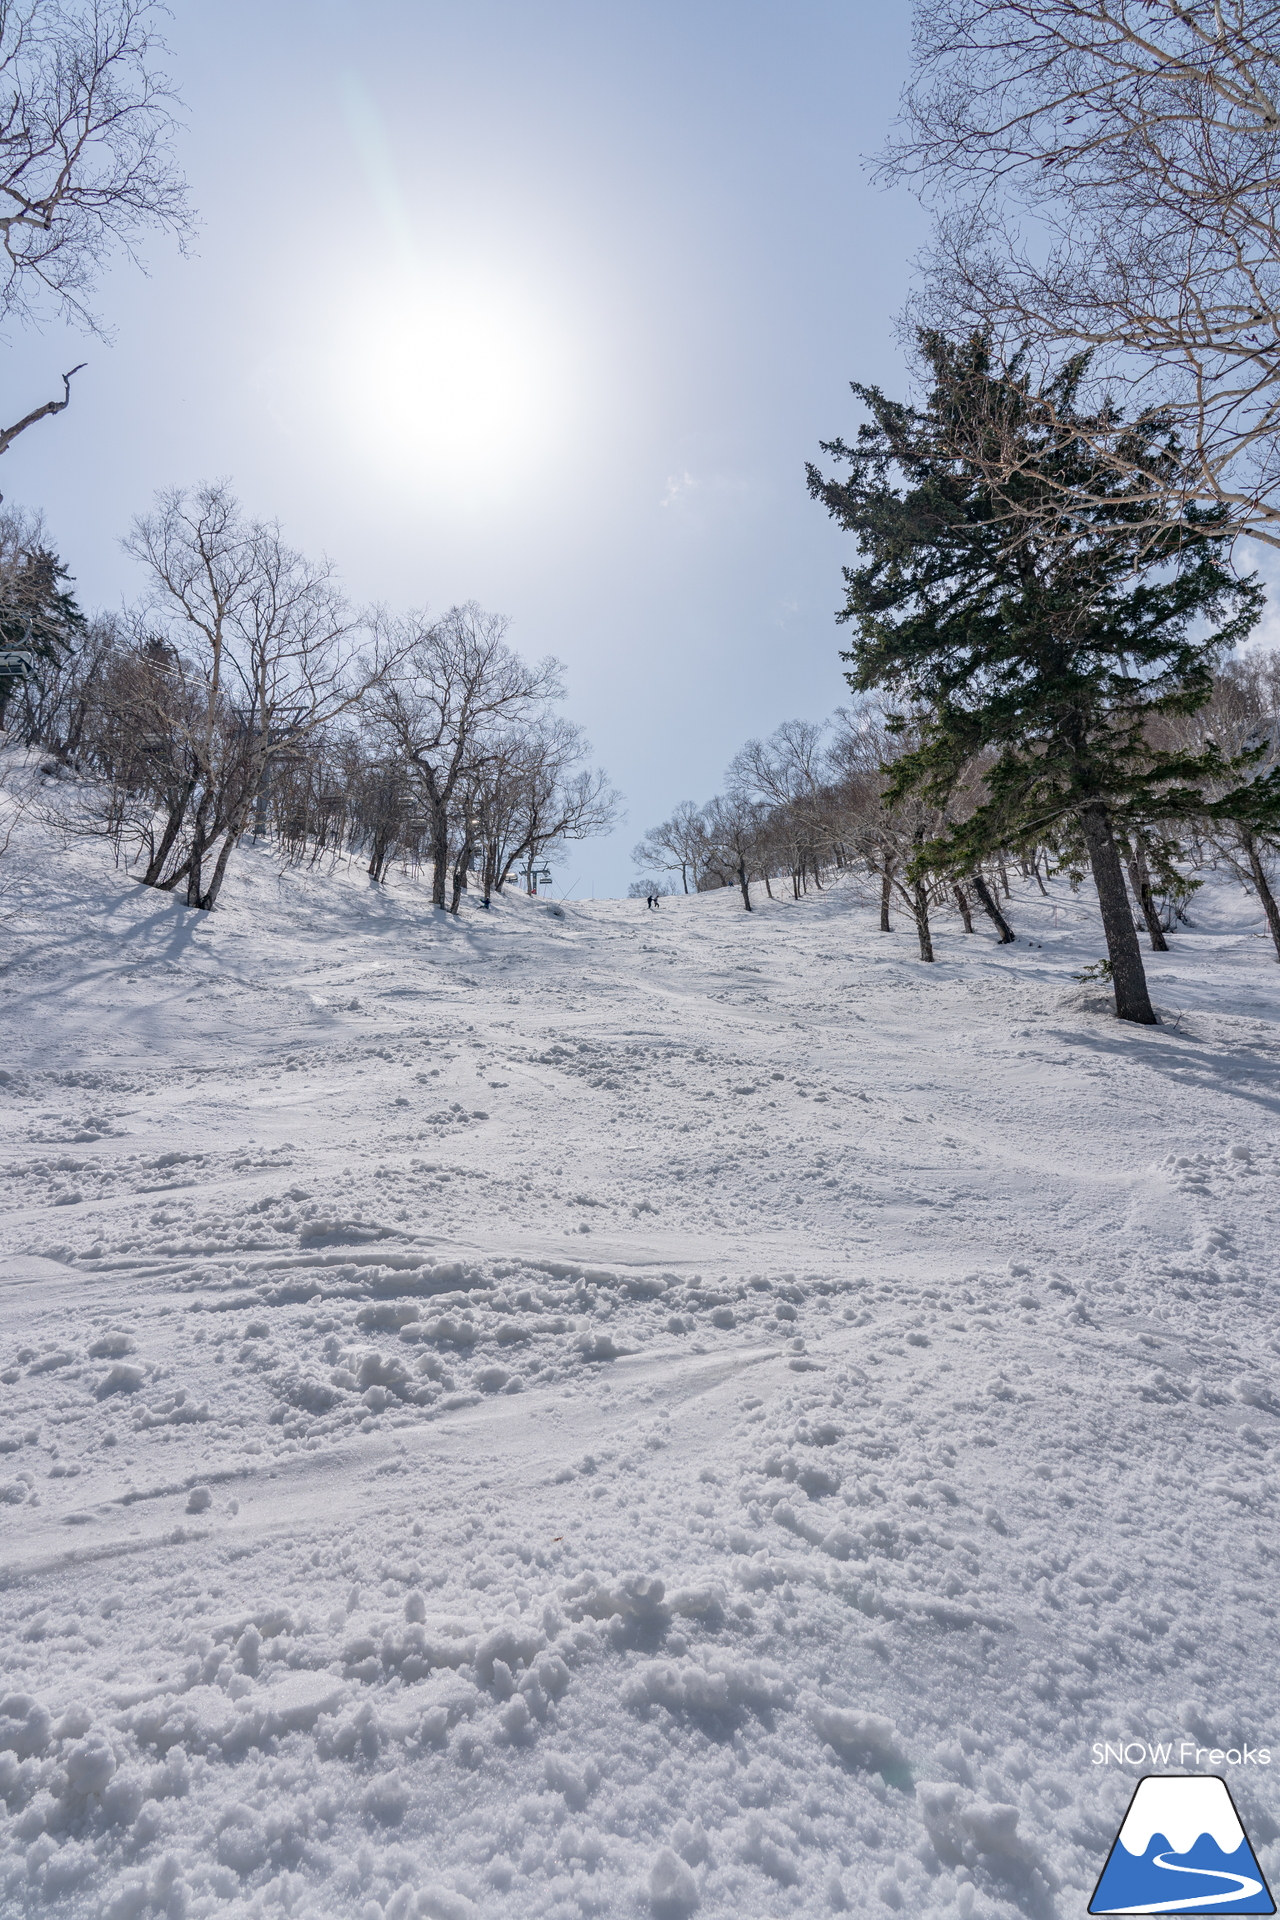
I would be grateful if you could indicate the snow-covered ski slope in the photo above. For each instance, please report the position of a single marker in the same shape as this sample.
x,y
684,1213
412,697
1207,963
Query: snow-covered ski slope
x,y
623,1414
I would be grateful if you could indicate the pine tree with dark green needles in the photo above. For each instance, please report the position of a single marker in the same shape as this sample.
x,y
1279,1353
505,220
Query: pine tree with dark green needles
x,y
39,621
1033,627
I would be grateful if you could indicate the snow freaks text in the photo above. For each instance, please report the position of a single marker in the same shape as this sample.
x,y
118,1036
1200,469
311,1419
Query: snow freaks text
x,y
1181,1753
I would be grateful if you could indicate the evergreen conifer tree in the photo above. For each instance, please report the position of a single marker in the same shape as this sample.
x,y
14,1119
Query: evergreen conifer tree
x,y
39,620
1035,639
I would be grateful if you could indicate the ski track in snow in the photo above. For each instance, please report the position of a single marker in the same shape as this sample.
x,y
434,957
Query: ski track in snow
x,y
621,1413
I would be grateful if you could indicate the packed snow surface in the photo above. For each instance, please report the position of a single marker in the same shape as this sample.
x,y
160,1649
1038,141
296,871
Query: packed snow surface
x,y
610,1412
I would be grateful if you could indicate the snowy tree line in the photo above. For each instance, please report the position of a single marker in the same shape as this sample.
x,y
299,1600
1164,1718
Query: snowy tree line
x,y
243,696
1047,583
1058,673
816,800
802,806
1048,619
1047,614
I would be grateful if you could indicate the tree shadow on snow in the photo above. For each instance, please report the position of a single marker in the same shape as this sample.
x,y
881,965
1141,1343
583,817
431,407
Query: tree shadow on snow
x,y
1190,1063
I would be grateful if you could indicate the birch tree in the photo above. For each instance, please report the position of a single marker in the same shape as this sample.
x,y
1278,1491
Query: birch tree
x,y
1105,175
87,166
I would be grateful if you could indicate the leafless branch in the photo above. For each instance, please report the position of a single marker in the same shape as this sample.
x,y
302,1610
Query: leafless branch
x,y
86,134
10,434
1106,175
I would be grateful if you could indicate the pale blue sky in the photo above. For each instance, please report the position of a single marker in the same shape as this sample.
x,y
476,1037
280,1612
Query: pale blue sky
x,y
543,305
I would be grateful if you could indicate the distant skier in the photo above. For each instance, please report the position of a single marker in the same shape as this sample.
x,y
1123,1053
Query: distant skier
x,y
651,899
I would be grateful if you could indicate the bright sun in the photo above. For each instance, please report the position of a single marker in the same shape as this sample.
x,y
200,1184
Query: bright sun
x,y
451,376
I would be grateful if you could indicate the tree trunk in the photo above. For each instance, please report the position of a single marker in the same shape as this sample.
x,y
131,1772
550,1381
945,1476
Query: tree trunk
x,y
886,894
1265,894
172,828
262,800
439,854
1140,881
1004,880
380,854
1133,1002
176,878
991,910
208,899
1035,868
963,904
745,884
199,845
768,889
920,908
76,727
460,872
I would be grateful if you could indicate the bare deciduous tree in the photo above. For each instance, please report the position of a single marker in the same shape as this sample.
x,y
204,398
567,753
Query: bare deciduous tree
x,y
547,798
86,131
679,845
15,798
1242,717
244,651
733,823
886,835
86,157
447,710
1106,174
786,774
